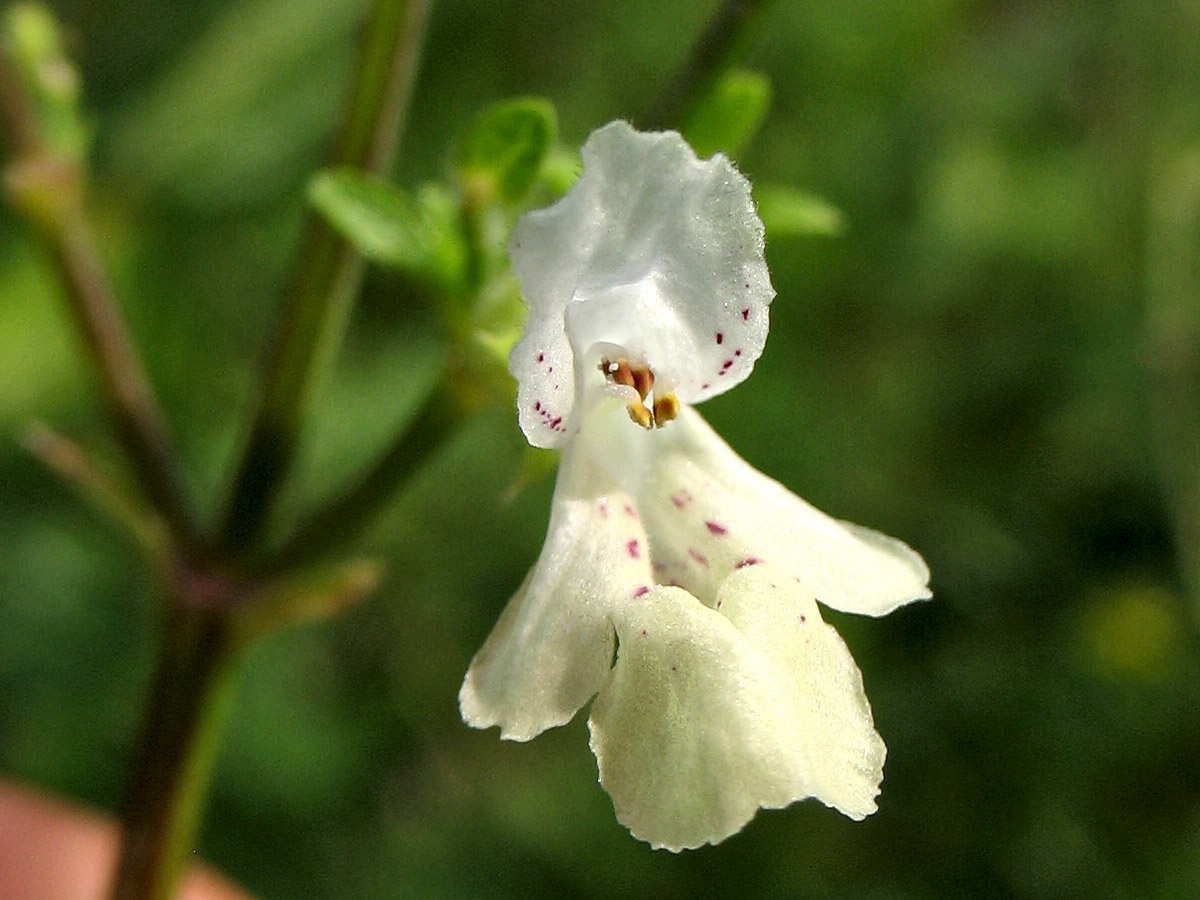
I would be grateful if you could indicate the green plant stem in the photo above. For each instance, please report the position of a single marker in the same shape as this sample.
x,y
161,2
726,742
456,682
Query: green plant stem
x,y
99,489
139,424
49,190
177,747
710,55
337,524
328,271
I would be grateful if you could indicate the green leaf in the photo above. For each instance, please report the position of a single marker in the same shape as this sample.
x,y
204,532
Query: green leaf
x,y
385,224
787,212
559,171
502,151
729,115
310,596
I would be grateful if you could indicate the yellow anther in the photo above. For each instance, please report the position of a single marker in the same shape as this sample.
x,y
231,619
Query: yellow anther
x,y
640,415
666,407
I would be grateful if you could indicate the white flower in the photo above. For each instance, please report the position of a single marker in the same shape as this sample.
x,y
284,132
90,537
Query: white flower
x,y
647,291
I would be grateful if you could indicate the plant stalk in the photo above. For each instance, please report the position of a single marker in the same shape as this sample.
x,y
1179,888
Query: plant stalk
x,y
337,524
49,189
189,704
327,271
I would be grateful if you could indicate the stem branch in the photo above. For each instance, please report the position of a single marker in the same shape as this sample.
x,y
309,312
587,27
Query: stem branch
x,y
338,523
48,188
327,271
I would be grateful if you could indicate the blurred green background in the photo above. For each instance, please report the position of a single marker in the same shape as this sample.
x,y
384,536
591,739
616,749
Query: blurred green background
x,y
971,367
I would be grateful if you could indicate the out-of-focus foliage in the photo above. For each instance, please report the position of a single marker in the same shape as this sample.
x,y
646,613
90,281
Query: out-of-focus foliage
x,y
502,150
729,115
788,212
965,367
34,42
388,226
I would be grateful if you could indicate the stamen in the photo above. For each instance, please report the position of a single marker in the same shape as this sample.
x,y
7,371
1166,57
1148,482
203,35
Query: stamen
x,y
623,374
641,416
665,407
643,380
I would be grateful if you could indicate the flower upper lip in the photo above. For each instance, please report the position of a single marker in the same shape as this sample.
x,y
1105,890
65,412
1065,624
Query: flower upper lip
x,y
653,250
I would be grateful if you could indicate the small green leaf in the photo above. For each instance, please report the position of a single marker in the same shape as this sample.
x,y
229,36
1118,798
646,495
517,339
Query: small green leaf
x,y
560,170
312,595
383,223
787,212
502,151
729,115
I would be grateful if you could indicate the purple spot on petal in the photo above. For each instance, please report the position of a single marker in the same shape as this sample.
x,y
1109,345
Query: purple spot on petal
x,y
748,561
541,357
715,527
681,499
705,386
698,556
633,549
737,352
642,591
746,312
802,619
720,338
630,511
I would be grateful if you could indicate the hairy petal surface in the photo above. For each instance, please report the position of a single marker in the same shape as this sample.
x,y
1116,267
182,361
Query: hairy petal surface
x,y
652,253
831,720
552,648
709,512
694,731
